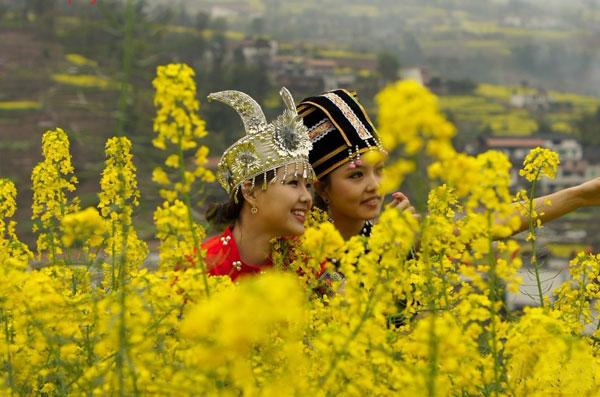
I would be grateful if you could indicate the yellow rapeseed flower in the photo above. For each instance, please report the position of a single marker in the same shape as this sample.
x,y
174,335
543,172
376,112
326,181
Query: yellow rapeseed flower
x,y
86,227
118,199
540,162
53,180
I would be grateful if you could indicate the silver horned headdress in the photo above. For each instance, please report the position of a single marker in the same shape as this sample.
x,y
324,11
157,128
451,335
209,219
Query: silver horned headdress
x,y
266,146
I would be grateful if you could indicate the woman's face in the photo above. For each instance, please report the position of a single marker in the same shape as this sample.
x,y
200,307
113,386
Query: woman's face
x,y
284,204
352,192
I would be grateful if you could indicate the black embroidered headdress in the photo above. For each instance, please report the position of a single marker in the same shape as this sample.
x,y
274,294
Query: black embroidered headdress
x,y
339,128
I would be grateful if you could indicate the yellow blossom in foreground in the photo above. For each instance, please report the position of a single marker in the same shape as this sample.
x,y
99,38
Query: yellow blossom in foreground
x,y
322,241
409,120
579,297
160,176
409,116
86,226
173,231
546,359
416,308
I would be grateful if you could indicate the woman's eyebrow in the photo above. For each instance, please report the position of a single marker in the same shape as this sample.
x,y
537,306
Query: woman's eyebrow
x,y
355,168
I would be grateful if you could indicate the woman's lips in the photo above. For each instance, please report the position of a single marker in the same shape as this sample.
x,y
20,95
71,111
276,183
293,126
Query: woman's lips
x,y
371,202
300,215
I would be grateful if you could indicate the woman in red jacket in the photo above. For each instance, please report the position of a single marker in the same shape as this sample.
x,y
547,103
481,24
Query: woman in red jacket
x,y
268,178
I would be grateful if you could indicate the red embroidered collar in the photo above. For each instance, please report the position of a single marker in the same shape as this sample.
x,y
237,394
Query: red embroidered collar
x,y
223,257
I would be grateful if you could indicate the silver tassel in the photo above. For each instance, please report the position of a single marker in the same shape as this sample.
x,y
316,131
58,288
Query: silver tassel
x,y
284,174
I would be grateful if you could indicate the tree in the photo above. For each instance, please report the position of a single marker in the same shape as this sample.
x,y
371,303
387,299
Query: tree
x,y
44,12
387,66
588,127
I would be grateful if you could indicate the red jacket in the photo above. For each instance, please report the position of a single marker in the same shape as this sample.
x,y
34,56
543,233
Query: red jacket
x,y
223,258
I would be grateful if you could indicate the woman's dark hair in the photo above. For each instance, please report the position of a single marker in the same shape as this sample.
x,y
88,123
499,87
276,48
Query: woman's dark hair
x,y
226,213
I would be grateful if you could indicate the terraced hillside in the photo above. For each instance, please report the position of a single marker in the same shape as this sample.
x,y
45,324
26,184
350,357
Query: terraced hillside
x,y
41,88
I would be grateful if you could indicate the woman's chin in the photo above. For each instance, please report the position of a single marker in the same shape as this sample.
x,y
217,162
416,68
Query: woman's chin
x,y
370,214
295,230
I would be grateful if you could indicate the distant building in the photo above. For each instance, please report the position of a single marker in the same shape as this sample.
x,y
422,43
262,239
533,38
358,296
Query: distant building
x,y
416,73
292,72
258,51
574,168
310,74
539,100
233,10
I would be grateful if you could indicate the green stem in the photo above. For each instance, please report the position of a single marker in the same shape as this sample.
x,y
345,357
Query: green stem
x,y
190,219
444,279
581,298
433,358
532,228
9,367
128,54
494,299
74,282
120,357
51,232
123,343
432,353
113,280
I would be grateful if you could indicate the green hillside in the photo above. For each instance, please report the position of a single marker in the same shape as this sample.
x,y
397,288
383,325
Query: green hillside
x,y
489,108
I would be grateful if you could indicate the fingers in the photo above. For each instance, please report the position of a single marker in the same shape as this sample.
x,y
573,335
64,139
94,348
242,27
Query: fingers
x,y
402,203
399,200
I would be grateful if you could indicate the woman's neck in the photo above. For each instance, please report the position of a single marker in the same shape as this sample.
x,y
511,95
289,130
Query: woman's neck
x,y
348,227
253,244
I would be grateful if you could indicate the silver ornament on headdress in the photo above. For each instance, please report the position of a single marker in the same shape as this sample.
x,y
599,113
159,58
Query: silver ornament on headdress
x,y
249,110
265,146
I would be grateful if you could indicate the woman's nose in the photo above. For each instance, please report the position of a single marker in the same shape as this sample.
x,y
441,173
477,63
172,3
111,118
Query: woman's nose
x,y
373,182
306,195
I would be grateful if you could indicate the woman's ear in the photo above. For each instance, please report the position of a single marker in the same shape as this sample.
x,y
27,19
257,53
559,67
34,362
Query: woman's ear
x,y
248,192
321,190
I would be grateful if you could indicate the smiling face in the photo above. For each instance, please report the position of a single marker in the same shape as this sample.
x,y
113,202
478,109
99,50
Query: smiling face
x,y
352,192
282,207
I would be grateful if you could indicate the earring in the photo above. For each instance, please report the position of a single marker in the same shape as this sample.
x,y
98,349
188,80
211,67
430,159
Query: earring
x,y
329,217
254,210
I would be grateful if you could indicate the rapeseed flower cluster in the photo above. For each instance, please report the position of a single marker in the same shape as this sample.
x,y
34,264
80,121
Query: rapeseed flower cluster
x,y
540,162
579,298
12,251
118,198
53,184
86,227
410,122
415,309
179,127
